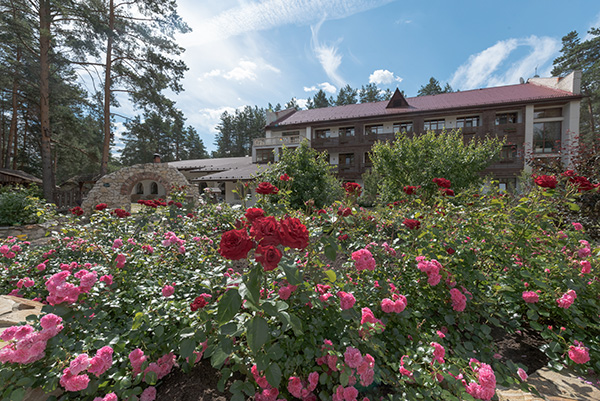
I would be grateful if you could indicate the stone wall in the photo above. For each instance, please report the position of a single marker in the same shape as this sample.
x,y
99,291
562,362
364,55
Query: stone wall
x,y
115,189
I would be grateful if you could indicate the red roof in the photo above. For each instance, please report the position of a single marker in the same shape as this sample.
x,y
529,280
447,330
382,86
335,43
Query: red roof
x,y
521,93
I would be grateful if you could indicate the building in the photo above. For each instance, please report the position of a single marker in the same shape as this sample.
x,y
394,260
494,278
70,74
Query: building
x,y
539,118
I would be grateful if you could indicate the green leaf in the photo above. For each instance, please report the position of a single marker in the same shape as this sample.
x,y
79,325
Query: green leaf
x,y
449,319
573,206
252,286
275,352
229,328
258,333
17,395
137,320
292,274
151,377
296,325
532,315
331,252
229,305
331,275
273,374
187,347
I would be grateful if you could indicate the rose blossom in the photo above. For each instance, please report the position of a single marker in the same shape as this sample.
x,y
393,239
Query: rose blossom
x,y
530,297
293,233
412,224
347,300
268,256
546,181
522,374
459,301
266,188
363,260
567,299
578,353
442,182
168,290
235,244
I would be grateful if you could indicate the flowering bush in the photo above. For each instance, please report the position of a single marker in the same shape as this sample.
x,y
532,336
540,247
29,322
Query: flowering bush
x,y
324,306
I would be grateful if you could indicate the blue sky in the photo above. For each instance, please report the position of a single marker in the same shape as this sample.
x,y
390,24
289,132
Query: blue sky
x,y
254,52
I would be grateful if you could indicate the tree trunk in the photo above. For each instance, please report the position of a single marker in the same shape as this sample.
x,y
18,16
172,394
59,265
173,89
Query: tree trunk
x,y
46,151
12,132
107,91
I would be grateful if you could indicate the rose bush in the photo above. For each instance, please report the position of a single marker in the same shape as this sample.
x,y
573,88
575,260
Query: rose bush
x,y
322,306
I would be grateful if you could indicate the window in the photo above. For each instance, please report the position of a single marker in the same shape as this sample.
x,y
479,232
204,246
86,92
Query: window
x,y
403,127
508,153
347,159
433,125
548,113
139,189
322,133
154,188
290,133
506,118
347,131
368,158
373,129
466,122
265,155
546,137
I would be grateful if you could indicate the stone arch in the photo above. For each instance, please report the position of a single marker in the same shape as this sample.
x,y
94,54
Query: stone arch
x,y
115,189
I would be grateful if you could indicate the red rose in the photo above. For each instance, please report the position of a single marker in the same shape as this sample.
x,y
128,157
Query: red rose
x,y
344,211
266,231
293,233
200,302
582,183
121,213
447,191
569,173
101,206
268,256
235,244
77,211
412,224
546,181
450,251
410,189
284,177
442,182
343,237
254,213
321,211
353,188
266,188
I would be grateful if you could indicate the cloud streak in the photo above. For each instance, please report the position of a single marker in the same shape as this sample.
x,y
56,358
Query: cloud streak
x,y
481,70
267,14
327,54
326,86
384,77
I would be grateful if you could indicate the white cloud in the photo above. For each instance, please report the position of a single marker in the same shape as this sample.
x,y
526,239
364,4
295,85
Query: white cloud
x,y
326,86
246,70
383,77
327,55
209,118
302,103
480,69
267,14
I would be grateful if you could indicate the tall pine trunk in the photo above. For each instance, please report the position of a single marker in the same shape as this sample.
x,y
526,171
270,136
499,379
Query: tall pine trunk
x,y
107,90
46,151
12,132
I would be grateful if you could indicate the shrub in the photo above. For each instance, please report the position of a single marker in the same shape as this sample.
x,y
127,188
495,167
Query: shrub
x,y
310,177
22,205
417,160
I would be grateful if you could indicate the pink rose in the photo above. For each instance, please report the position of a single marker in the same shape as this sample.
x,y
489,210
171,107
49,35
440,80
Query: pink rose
x,y
530,297
578,353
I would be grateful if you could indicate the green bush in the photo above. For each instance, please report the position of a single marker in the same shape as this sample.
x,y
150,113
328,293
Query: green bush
x,y
310,175
418,159
20,205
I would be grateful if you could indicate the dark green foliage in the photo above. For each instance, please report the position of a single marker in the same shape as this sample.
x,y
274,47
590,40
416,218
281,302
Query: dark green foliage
x,y
417,160
370,93
311,177
346,95
237,132
20,205
318,101
434,88
165,135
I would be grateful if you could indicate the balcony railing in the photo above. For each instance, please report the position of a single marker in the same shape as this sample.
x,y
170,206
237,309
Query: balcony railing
x,y
283,140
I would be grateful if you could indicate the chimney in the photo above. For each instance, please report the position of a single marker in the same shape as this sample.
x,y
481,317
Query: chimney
x,y
156,158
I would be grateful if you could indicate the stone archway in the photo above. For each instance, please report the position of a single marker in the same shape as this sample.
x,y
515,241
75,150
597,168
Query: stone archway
x,y
115,189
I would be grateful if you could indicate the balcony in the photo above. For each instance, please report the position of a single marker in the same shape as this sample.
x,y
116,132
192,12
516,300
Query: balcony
x,y
278,141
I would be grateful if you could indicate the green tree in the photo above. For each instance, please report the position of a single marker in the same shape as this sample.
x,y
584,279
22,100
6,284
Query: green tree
x,y
417,160
370,93
165,135
292,104
237,131
585,57
311,176
434,88
346,95
318,101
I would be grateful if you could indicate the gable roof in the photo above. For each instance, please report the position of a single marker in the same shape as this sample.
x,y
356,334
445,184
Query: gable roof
x,y
510,94
21,175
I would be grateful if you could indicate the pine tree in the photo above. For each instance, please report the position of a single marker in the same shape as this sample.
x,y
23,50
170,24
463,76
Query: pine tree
x,y
320,100
370,93
346,95
434,88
